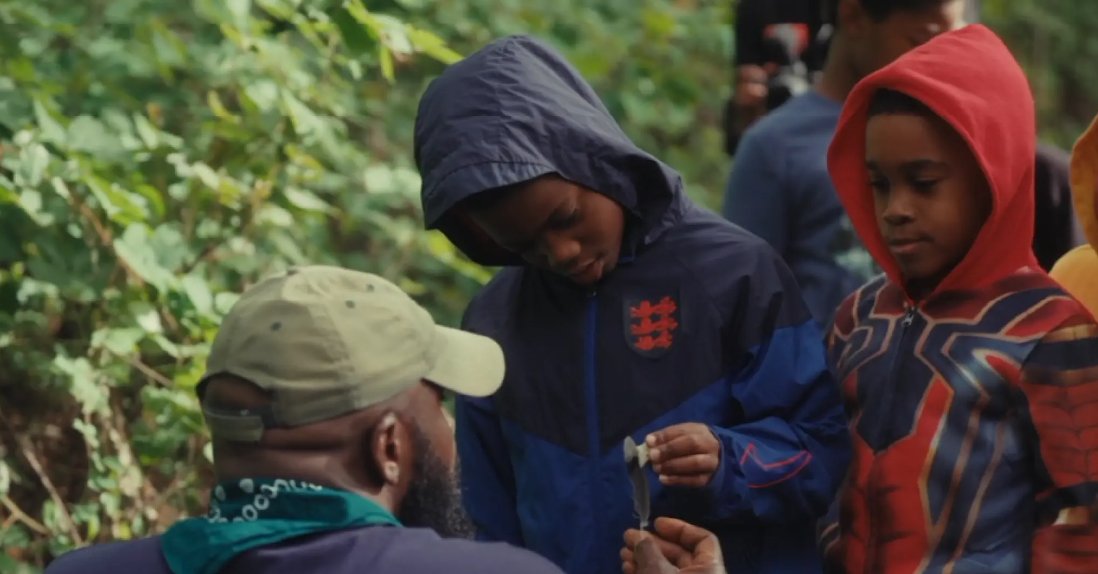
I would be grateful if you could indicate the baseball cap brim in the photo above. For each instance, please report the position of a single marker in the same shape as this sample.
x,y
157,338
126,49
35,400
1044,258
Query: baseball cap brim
x,y
467,363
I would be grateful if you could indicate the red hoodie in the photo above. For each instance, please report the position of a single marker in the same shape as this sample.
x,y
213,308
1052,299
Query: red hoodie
x,y
974,411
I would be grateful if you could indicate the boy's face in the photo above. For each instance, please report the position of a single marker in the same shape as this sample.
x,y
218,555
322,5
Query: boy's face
x,y
929,193
557,225
877,44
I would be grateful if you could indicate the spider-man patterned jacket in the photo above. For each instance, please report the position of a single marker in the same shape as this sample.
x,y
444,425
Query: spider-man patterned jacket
x,y
974,411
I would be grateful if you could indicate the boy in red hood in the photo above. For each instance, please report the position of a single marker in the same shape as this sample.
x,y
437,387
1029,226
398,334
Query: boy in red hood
x,y
970,377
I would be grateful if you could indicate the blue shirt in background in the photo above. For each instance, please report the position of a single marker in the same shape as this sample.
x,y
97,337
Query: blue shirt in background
x,y
780,190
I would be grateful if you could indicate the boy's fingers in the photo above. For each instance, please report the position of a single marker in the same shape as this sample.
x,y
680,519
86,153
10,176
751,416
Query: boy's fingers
x,y
680,532
633,536
689,465
672,551
696,441
670,433
649,559
695,481
696,545
627,565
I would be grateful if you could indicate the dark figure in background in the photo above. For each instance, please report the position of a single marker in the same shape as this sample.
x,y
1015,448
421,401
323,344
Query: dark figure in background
x,y
1056,231
780,47
779,188
777,41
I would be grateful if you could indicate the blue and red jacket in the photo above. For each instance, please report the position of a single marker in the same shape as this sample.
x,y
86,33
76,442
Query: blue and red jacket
x,y
701,322
974,410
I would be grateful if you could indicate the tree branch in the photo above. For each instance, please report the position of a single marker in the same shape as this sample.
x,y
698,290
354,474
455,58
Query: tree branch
x,y
18,515
27,449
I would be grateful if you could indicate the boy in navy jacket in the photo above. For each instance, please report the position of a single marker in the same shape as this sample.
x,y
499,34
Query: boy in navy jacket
x,y
623,310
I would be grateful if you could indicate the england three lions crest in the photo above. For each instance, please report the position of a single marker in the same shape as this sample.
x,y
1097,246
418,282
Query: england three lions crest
x,y
651,324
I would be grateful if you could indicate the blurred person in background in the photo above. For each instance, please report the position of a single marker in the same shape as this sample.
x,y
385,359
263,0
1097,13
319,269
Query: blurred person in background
x,y
780,43
781,47
780,189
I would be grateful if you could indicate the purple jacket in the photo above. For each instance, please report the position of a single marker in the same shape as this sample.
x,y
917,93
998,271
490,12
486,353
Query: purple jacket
x,y
378,550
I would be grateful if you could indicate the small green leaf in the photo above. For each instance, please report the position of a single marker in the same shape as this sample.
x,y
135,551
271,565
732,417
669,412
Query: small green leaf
x,y
150,136
199,293
5,478
218,108
31,202
168,346
33,161
240,9
206,175
304,119
52,131
90,135
133,248
83,384
430,44
122,206
223,302
306,200
355,35
385,58
263,93
120,342
146,317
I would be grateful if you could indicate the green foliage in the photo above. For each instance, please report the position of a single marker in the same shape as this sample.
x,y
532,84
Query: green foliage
x,y
1055,41
159,157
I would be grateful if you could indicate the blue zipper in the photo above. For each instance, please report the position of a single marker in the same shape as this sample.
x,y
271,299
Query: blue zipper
x,y
875,518
592,409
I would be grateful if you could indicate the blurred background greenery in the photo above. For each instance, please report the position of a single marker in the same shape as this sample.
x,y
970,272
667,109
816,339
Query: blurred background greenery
x,y
156,157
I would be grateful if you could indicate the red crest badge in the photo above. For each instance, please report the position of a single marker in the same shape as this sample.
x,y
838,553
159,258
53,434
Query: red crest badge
x,y
651,324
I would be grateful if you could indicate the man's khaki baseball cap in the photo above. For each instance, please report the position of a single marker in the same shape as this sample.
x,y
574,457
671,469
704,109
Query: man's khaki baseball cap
x,y
325,341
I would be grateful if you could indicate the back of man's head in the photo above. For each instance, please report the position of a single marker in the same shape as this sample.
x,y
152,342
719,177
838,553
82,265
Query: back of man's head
x,y
335,377
870,34
880,10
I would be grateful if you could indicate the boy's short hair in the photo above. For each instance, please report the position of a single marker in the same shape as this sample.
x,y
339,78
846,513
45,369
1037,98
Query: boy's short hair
x,y
880,10
892,102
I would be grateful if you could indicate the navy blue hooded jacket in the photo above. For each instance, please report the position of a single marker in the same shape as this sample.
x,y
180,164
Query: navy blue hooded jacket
x,y
700,322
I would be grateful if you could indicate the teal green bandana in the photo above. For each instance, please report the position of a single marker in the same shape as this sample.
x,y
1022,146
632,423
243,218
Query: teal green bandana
x,y
249,513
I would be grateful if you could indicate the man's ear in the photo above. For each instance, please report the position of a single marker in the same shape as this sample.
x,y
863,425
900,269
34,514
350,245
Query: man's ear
x,y
389,449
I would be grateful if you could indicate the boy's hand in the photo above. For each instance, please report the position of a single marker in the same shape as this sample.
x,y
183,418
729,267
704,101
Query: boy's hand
x,y
684,455
675,547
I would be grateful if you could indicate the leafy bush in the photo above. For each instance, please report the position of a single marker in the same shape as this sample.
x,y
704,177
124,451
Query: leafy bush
x,y
161,156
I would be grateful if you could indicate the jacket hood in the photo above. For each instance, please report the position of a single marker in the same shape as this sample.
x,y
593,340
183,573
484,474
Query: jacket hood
x,y
1077,270
970,79
1084,181
514,111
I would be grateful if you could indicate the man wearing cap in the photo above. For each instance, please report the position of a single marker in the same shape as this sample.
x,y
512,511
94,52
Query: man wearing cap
x,y
333,453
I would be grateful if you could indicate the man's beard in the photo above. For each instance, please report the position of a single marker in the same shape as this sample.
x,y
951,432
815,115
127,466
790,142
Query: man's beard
x,y
434,495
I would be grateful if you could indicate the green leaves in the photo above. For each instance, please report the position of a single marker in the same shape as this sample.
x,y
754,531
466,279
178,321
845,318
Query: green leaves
x,y
135,251
157,159
83,383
